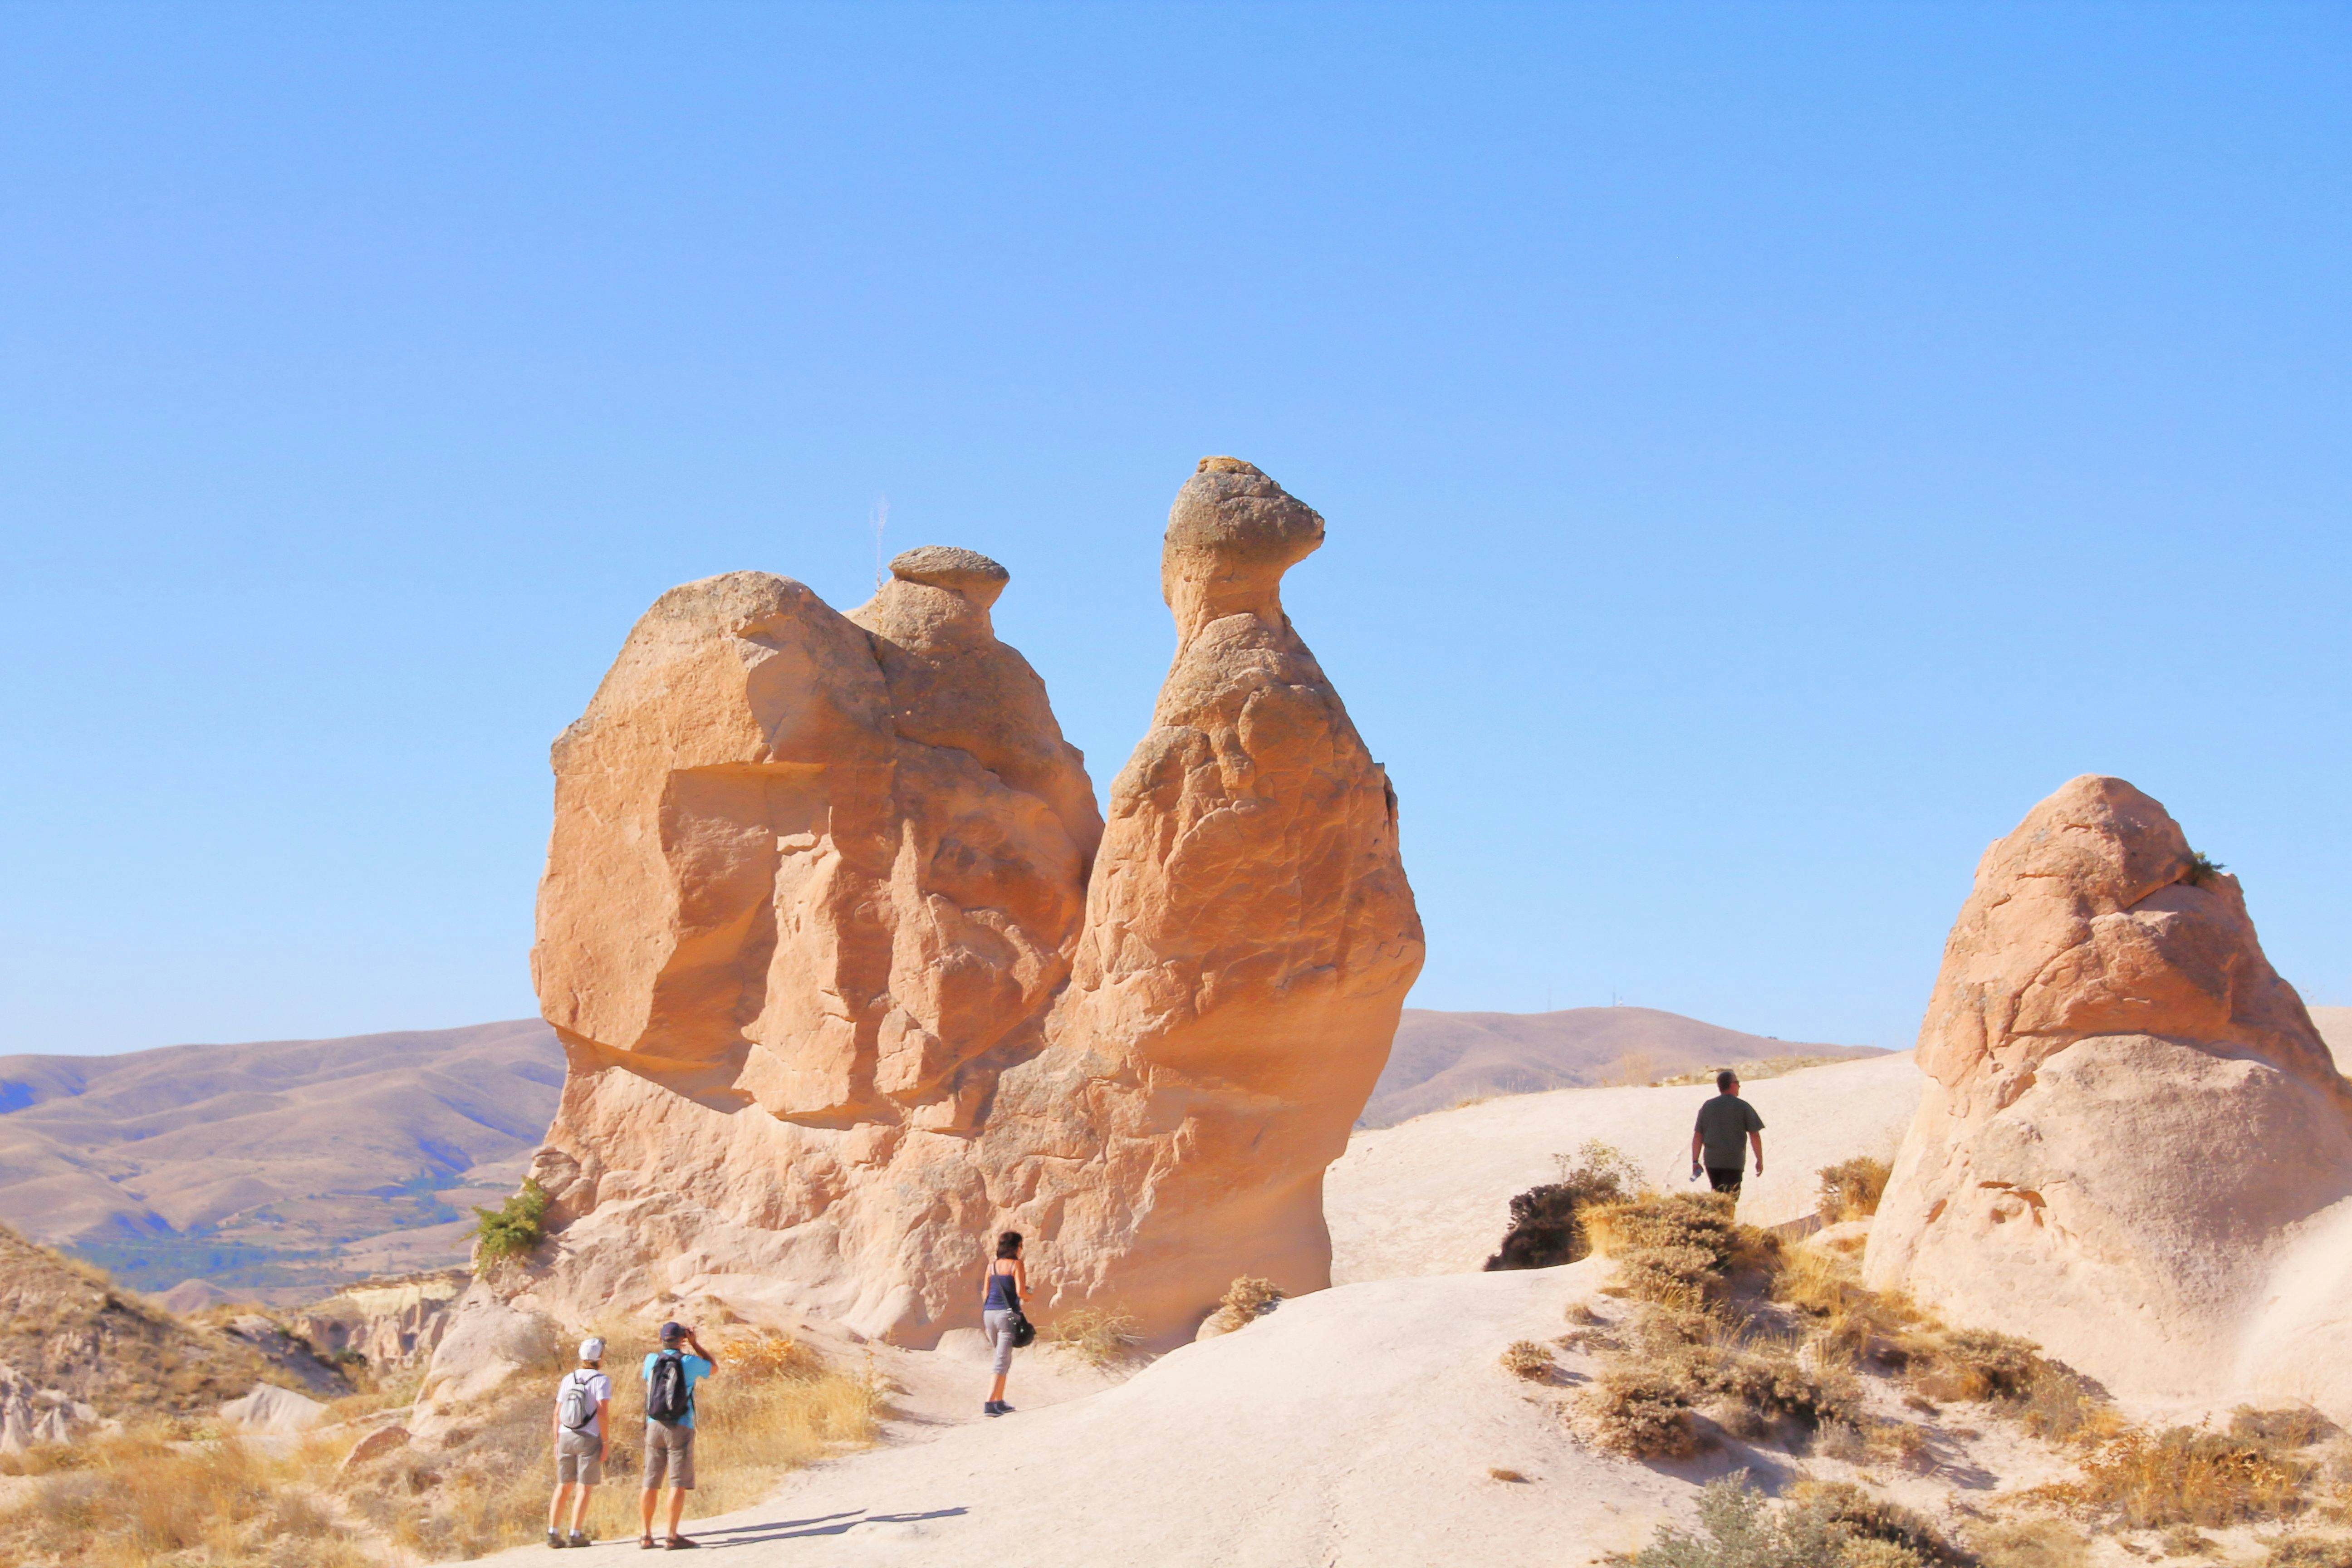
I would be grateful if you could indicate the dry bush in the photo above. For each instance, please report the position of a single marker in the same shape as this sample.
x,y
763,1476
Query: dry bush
x,y
2279,1431
2309,1552
1546,1230
1851,1188
1862,1517
1681,1256
1650,1222
1643,1413
1819,1526
1526,1358
1100,1336
1887,1332
2030,1544
1246,1300
2149,1482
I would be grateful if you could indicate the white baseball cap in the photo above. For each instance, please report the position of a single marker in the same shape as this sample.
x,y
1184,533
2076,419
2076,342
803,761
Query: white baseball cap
x,y
592,1349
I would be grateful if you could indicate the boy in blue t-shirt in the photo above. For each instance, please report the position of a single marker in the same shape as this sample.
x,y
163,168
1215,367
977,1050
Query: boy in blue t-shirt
x,y
669,1446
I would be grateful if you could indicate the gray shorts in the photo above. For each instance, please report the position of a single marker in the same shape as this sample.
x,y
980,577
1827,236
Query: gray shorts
x,y
997,1324
579,1457
670,1449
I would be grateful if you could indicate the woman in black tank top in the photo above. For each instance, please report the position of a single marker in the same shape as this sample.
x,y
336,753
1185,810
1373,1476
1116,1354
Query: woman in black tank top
x,y
1000,1297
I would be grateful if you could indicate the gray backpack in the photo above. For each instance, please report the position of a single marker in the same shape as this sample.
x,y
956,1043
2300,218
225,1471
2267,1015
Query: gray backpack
x,y
576,1407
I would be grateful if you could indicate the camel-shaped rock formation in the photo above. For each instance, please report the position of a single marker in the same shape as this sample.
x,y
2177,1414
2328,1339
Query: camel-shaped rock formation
x,y
850,972
2133,1147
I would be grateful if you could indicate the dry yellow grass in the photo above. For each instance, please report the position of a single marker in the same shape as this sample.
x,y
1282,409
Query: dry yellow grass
x,y
1102,1336
1246,1300
1851,1188
772,1407
133,1498
2151,1481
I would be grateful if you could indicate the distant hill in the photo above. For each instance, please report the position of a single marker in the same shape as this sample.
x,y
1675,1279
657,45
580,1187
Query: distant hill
x,y
280,1170
273,1169
1440,1059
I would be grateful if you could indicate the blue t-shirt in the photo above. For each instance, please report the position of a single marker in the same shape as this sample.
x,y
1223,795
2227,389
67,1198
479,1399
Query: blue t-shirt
x,y
696,1369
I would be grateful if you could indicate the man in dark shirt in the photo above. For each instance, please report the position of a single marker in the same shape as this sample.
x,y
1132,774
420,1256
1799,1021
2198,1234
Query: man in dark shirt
x,y
1723,1122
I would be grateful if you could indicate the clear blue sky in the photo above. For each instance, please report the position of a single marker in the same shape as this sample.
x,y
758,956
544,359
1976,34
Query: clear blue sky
x,y
1766,447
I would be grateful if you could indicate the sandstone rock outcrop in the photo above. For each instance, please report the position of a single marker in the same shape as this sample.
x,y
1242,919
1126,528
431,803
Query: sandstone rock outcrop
x,y
395,1323
2133,1142
850,974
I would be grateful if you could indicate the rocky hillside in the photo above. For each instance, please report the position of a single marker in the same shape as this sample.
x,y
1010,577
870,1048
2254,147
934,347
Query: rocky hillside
x,y
69,1338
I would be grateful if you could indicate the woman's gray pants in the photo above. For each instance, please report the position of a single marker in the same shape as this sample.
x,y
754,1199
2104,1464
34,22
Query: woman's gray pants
x,y
997,1324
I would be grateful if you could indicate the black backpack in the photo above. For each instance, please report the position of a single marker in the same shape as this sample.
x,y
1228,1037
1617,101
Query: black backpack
x,y
666,1400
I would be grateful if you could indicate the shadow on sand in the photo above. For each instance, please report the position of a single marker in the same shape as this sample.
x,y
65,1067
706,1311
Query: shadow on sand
x,y
823,1524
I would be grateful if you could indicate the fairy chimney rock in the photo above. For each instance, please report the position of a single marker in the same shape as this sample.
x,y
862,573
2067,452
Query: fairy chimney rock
x,y
851,974
2132,1133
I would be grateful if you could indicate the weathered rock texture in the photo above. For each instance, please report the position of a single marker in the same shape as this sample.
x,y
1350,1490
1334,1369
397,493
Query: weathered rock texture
x,y
850,974
2133,1137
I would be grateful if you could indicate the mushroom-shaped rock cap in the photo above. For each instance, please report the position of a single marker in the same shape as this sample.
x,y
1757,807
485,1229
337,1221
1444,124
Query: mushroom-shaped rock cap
x,y
949,566
1232,533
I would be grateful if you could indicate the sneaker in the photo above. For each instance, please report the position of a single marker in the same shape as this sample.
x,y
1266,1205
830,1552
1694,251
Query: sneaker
x,y
1003,1408
991,1408
576,1539
553,1539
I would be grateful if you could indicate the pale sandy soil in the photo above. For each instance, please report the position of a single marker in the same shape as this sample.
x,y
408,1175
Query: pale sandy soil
x,y
1357,1427
1432,1196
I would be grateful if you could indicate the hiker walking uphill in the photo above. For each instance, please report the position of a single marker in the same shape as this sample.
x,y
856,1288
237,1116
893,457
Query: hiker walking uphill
x,y
671,1374
1725,1124
583,1410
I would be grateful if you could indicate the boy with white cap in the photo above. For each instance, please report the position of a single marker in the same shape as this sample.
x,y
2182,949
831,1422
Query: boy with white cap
x,y
583,1403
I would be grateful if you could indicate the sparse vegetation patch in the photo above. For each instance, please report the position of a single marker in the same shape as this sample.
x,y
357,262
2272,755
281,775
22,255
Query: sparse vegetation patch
x,y
1547,1228
1851,1188
1818,1527
1246,1300
1100,1336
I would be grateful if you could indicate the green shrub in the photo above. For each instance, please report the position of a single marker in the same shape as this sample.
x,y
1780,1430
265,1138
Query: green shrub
x,y
513,1228
2202,868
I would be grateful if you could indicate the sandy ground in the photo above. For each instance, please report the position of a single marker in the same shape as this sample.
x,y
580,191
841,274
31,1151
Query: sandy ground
x,y
1360,1427
1432,1196
1353,1426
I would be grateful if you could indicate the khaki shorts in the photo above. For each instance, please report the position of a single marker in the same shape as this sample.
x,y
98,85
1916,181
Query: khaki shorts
x,y
670,1449
579,1457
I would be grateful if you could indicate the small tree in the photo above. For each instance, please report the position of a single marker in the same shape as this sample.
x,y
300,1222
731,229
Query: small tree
x,y
514,1228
